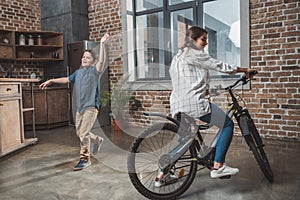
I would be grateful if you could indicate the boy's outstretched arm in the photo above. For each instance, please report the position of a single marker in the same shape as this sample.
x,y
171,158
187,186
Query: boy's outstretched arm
x,y
102,53
63,80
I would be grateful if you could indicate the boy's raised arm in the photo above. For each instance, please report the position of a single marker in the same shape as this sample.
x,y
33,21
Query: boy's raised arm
x,y
102,53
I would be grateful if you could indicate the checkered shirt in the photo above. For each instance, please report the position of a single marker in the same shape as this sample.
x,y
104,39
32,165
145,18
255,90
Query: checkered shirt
x,y
189,73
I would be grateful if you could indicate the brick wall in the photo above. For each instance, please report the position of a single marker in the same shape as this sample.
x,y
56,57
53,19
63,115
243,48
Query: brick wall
x,y
152,101
275,52
274,100
20,15
105,16
21,69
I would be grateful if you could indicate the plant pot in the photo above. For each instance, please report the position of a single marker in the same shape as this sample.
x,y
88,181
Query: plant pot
x,y
117,124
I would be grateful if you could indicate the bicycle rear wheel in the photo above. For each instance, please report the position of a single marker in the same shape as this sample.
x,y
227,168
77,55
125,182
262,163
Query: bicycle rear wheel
x,y
256,146
143,162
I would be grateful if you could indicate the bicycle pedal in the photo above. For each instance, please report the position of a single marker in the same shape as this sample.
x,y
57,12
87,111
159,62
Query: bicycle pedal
x,y
181,173
225,177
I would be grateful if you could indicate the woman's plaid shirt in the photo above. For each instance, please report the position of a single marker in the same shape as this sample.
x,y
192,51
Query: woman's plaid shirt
x,y
189,73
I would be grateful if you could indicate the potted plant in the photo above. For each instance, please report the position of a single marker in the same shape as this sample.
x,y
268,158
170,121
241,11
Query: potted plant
x,y
120,100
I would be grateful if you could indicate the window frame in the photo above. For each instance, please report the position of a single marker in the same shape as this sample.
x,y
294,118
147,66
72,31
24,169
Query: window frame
x,y
165,84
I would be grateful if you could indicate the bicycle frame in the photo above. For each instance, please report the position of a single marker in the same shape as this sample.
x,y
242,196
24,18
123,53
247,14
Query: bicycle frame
x,y
189,135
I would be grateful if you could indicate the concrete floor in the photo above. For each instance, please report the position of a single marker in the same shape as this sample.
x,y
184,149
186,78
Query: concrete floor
x,y
44,171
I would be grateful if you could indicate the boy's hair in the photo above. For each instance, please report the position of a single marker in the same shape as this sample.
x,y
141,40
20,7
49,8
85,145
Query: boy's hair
x,y
93,54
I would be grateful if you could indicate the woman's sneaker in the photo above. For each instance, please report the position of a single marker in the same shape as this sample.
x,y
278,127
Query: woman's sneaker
x,y
81,165
168,179
223,171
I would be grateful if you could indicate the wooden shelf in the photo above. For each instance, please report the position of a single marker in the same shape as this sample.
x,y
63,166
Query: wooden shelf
x,y
30,141
27,109
7,42
7,45
38,46
39,59
50,48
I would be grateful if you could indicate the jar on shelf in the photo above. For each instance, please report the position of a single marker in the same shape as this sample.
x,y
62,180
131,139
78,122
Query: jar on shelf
x,y
39,40
22,39
5,40
30,40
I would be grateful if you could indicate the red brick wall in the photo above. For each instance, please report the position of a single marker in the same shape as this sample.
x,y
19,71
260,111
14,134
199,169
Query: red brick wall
x,y
275,52
274,100
20,15
105,16
152,101
22,69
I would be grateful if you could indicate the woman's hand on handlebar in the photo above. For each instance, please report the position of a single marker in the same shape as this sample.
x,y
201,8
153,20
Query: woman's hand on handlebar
x,y
250,73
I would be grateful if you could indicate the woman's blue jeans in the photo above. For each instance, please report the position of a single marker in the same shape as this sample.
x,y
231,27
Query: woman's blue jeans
x,y
218,118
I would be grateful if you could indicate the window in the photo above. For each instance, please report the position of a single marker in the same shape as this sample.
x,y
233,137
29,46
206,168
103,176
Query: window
x,y
142,5
150,48
172,2
156,30
181,21
223,29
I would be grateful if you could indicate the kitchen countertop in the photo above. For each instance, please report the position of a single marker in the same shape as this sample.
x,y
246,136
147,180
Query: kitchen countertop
x,y
36,88
25,80
30,80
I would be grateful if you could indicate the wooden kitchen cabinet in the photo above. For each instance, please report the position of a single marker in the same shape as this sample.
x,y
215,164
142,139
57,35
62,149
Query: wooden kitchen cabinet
x,y
7,42
11,128
51,47
10,124
11,118
47,46
51,107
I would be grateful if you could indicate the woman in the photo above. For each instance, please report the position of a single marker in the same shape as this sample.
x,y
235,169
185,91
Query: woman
x,y
86,80
189,73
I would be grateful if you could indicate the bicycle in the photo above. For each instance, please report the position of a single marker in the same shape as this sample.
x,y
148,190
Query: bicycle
x,y
177,148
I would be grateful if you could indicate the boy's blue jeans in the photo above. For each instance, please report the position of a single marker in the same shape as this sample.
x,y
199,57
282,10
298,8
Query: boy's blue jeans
x,y
218,118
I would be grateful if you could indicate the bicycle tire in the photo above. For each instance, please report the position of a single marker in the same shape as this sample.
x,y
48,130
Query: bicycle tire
x,y
264,162
143,182
254,142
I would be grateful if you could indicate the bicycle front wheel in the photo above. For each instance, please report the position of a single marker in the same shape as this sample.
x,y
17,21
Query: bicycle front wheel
x,y
143,162
256,146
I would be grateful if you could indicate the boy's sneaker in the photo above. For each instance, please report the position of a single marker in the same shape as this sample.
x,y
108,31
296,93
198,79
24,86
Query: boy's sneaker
x,y
168,179
81,165
97,146
223,171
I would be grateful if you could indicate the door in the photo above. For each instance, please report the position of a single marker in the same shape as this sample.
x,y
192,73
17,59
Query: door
x,y
10,125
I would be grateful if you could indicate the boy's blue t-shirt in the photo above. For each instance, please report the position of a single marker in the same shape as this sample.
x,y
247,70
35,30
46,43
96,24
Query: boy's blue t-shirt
x,y
87,88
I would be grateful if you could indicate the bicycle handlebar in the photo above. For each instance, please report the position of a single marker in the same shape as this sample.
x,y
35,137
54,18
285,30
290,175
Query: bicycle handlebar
x,y
244,79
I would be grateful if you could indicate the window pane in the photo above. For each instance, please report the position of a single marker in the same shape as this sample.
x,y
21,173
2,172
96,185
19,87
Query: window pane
x,y
222,21
129,5
181,21
150,46
142,5
172,2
